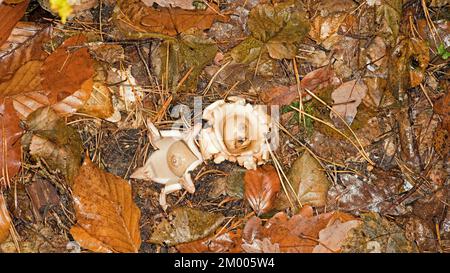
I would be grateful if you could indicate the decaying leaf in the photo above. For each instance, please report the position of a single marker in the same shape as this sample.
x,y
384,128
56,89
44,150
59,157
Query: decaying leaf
x,y
346,99
377,234
67,69
187,225
10,150
23,45
107,217
135,19
10,15
48,137
261,187
5,220
275,28
231,185
308,180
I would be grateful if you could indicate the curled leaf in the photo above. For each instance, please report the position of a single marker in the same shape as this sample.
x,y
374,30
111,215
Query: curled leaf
x,y
107,217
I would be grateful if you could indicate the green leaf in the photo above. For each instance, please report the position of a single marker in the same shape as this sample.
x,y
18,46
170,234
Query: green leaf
x,y
442,51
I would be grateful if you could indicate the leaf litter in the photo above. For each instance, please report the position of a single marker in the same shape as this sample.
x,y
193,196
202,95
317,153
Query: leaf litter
x,y
360,163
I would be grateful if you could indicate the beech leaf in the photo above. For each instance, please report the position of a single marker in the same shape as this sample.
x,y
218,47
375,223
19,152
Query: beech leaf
x,y
23,45
107,217
10,132
261,187
10,15
5,220
67,69
347,97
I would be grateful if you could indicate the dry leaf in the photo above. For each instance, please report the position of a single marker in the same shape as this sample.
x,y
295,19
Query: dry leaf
x,y
23,45
48,137
187,225
261,187
67,69
10,15
334,235
5,220
309,182
11,157
26,79
135,17
107,217
347,97
299,234
100,103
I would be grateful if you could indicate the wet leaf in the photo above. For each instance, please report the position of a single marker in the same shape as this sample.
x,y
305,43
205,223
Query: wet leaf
x,y
261,187
10,15
107,217
23,45
67,69
187,225
135,19
274,29
48,137
377,234
309,182
11,157
346,99
5,220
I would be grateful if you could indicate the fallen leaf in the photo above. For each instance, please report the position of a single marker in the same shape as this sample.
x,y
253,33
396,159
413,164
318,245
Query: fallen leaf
x,y
25,80
23,45
43,196
334,235
309,182
10,15
299,234
261,187
134,18
67,69
107,217
48,137
274,29
5,220
347,97
187,225
100,102
11,157
231,185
